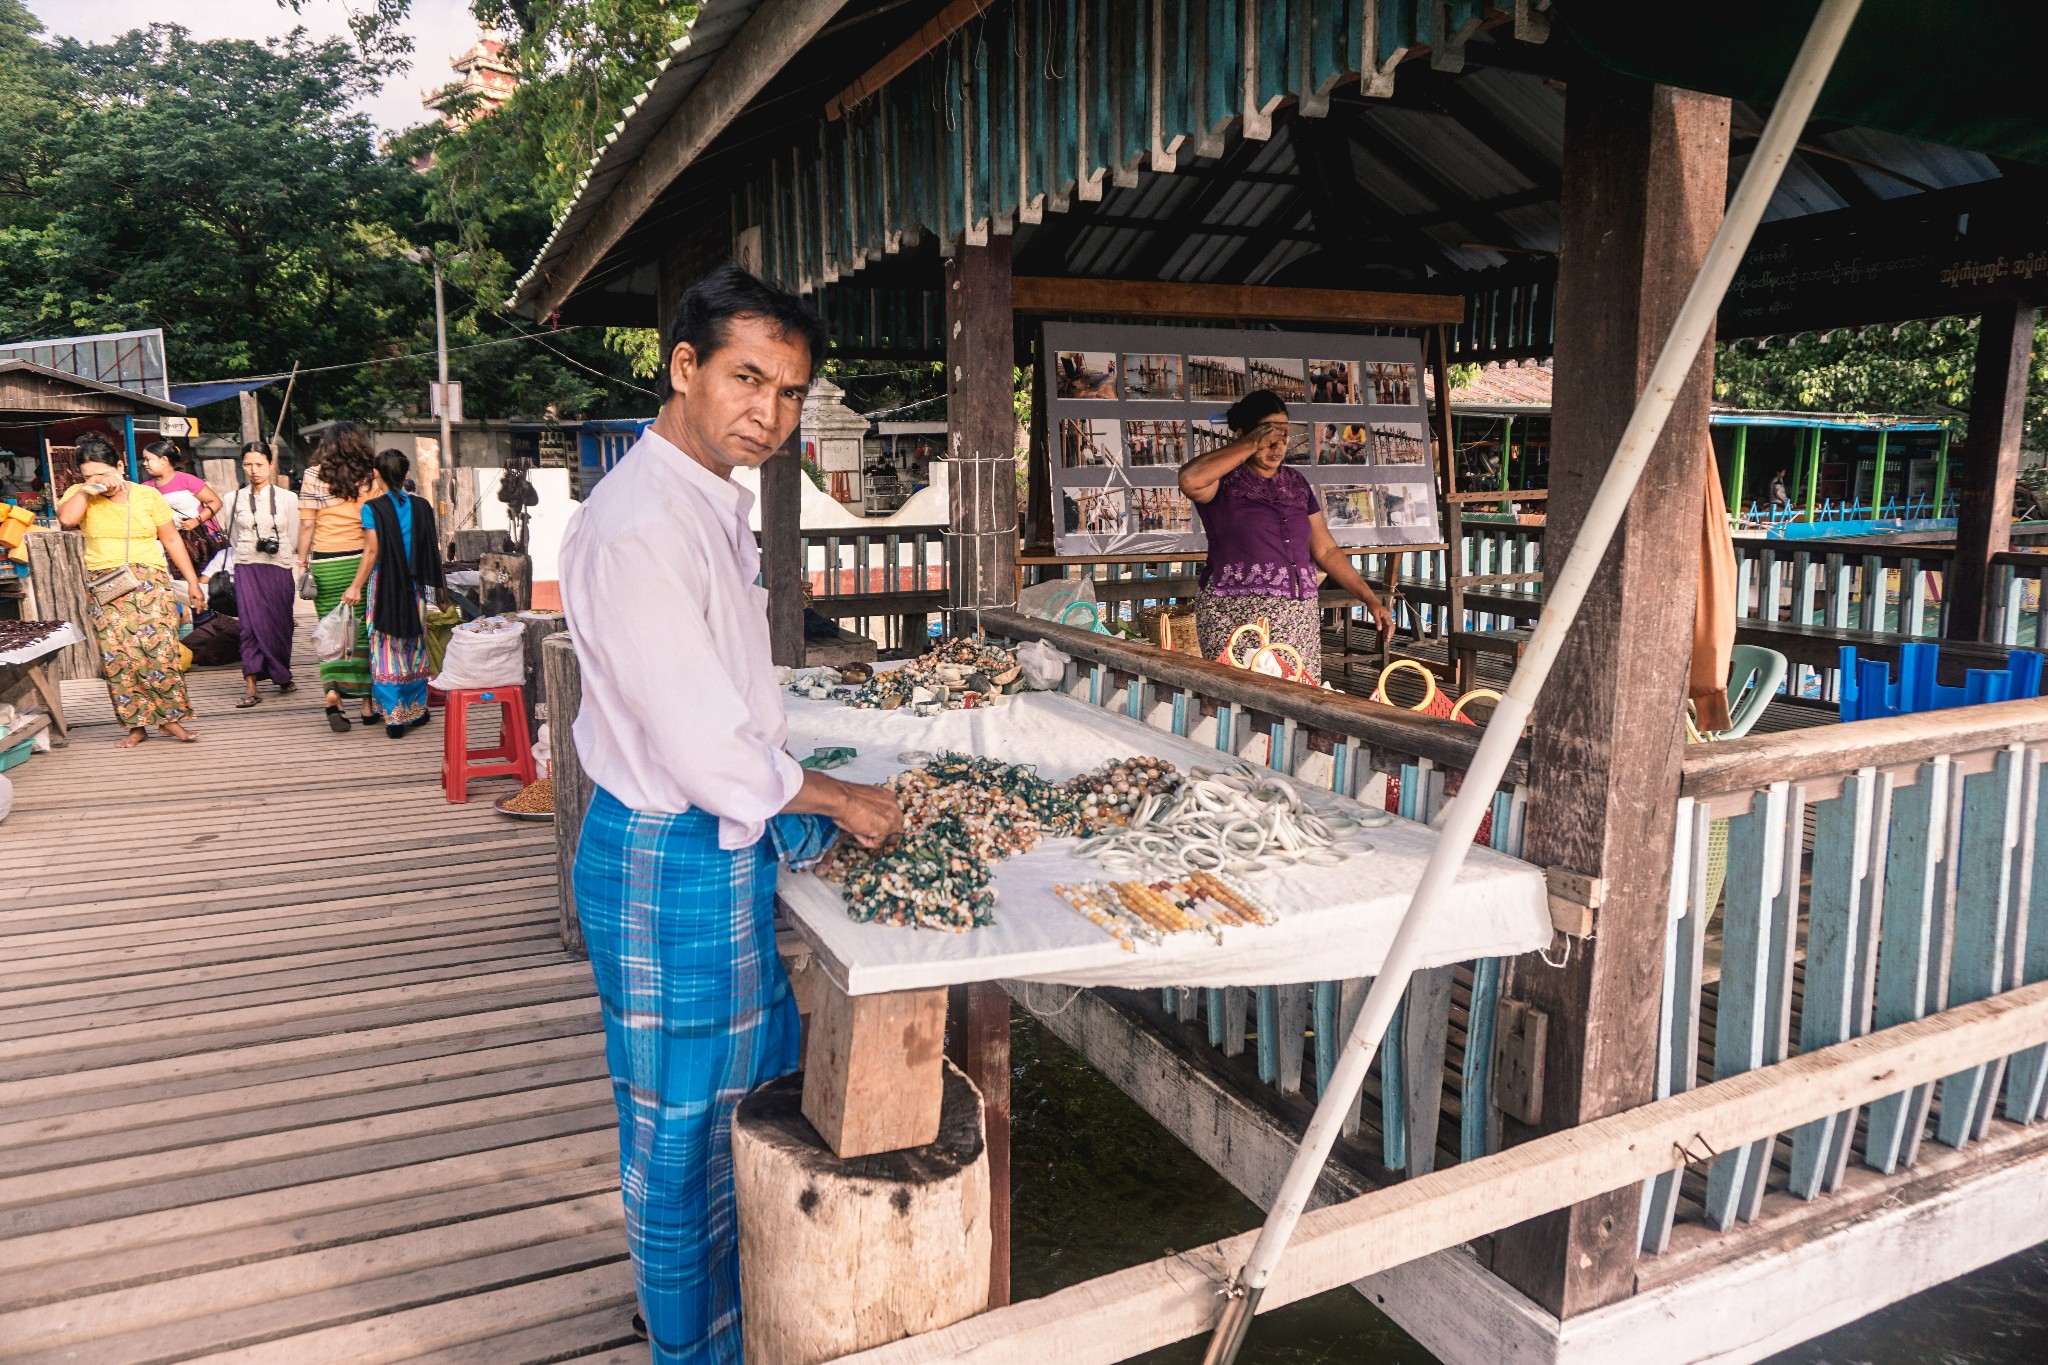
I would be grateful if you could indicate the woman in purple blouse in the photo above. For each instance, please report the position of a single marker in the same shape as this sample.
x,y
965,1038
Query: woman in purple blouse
x,y
1267,538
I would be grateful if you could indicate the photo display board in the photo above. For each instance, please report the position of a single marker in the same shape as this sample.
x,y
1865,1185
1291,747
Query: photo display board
x,y
1128,406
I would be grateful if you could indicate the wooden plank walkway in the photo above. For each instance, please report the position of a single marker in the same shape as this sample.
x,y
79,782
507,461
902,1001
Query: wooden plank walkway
x,y
292,1065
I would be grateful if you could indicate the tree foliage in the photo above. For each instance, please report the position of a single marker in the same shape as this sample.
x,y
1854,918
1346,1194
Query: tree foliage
x,y
1918,368
222,191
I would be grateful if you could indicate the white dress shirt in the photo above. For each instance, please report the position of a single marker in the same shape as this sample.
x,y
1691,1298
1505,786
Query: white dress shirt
x,y
680,708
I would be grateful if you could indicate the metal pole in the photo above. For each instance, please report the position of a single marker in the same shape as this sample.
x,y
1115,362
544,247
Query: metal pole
x,y
1877,477
444,480
1941,475
128,429
1568,591
1813,473
1738,475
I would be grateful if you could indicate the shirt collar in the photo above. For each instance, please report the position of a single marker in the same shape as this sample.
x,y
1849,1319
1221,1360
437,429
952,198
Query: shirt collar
x,y
725,494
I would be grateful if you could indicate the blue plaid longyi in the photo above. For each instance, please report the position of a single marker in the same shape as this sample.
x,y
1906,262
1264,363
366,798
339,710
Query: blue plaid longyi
x,y
697,1012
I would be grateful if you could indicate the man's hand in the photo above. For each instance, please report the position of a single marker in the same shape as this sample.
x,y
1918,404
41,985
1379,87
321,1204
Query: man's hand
x,y
870,814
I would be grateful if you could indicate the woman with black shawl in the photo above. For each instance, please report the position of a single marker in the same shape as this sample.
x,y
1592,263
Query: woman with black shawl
x,y
402,562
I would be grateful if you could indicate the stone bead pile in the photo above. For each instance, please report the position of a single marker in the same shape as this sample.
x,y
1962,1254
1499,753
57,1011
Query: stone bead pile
x,y
1132,911
961,815
1240,823
1111,794
959,674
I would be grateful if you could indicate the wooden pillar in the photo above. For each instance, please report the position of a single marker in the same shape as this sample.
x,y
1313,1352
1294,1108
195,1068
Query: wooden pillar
x,y
1645,176
252,417
572,785
983,1051
1991,459
1038,527
783,569
532,641
981,421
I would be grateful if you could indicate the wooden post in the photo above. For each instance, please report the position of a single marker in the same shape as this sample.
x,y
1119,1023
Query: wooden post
x,y
535,636
783,566
874,1068
56,569
572,785
472,546
981,420
1991,458
506,583
1645,177
252,417
1038,528
985,1056
838,1256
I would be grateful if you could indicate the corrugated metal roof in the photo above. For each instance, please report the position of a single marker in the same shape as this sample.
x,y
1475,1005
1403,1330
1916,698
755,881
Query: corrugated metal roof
x,y
688,59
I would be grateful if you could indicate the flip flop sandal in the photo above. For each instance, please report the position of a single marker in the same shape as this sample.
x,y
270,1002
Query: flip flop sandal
x,y
337,720
246,702
287,689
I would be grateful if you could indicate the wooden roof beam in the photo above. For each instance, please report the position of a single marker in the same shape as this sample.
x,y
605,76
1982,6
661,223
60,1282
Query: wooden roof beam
x,y
778,31
1167,302
942,26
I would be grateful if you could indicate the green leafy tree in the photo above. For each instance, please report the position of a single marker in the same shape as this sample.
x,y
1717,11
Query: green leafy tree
x,y
1919,368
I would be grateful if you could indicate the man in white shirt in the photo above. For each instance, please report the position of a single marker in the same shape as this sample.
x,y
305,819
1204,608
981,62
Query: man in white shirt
x,y
682,731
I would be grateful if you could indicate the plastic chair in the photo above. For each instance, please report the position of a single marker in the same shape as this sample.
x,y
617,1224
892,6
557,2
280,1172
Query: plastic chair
x,y
512,756
1754,676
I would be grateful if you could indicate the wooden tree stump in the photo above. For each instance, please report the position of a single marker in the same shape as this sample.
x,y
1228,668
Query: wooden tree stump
x,y
838,1256
56,566
506,583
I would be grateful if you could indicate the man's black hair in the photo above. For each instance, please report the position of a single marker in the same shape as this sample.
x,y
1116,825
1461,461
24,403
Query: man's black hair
x,y
730,292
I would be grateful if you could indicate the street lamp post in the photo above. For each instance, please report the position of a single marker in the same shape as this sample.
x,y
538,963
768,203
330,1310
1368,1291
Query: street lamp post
x,y
446,479
442,493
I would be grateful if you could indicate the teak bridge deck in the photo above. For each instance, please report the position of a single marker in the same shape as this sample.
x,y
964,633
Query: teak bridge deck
x,y
292,1064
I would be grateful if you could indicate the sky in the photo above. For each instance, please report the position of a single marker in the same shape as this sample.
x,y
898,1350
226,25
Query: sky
x,y
439,29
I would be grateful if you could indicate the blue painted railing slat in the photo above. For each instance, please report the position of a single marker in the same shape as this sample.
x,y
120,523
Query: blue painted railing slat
x,y
2024,1087
1983,906
1905,962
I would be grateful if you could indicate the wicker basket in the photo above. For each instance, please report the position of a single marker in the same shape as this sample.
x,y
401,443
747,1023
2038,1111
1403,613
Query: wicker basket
x,y
1170,628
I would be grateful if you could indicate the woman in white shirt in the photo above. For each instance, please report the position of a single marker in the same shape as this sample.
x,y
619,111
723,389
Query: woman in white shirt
x,y
263,535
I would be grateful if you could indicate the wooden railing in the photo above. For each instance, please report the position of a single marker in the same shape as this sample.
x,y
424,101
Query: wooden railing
x,y
1874,873
1354,747
886,584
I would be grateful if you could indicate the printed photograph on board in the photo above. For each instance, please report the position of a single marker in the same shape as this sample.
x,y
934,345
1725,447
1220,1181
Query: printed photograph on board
x,y
1207,435
1351,506
1285,377
1156,443
1147,375
1343,443
1216,376
1333,381
1093,511
1088,443
1300,446
1390,384
1400,443
1161,510
1086,374
1404,505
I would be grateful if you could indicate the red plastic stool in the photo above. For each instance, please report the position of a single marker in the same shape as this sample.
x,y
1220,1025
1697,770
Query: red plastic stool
x,y
513,754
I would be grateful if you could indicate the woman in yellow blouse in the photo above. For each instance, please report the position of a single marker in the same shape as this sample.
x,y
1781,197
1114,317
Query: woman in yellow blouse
x,y
137,632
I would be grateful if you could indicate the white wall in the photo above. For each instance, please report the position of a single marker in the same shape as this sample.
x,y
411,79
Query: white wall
x,y
546,524
929,506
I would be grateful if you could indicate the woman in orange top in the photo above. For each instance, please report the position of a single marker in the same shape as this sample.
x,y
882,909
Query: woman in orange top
x,y
331,549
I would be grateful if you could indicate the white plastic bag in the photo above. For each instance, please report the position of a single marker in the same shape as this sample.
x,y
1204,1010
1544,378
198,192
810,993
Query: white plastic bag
x,y
334,638
1050,600
6,796
483,653
543,750
1045,668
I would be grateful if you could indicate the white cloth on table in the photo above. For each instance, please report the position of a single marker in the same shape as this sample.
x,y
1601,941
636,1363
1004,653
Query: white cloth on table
x,y
680,708
1334,922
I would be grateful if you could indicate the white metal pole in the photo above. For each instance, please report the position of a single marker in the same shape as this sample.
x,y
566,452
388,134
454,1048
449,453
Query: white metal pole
x,y
444,479
1490,762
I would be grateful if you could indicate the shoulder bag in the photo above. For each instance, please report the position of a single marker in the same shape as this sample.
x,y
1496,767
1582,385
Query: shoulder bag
x,y
111,585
